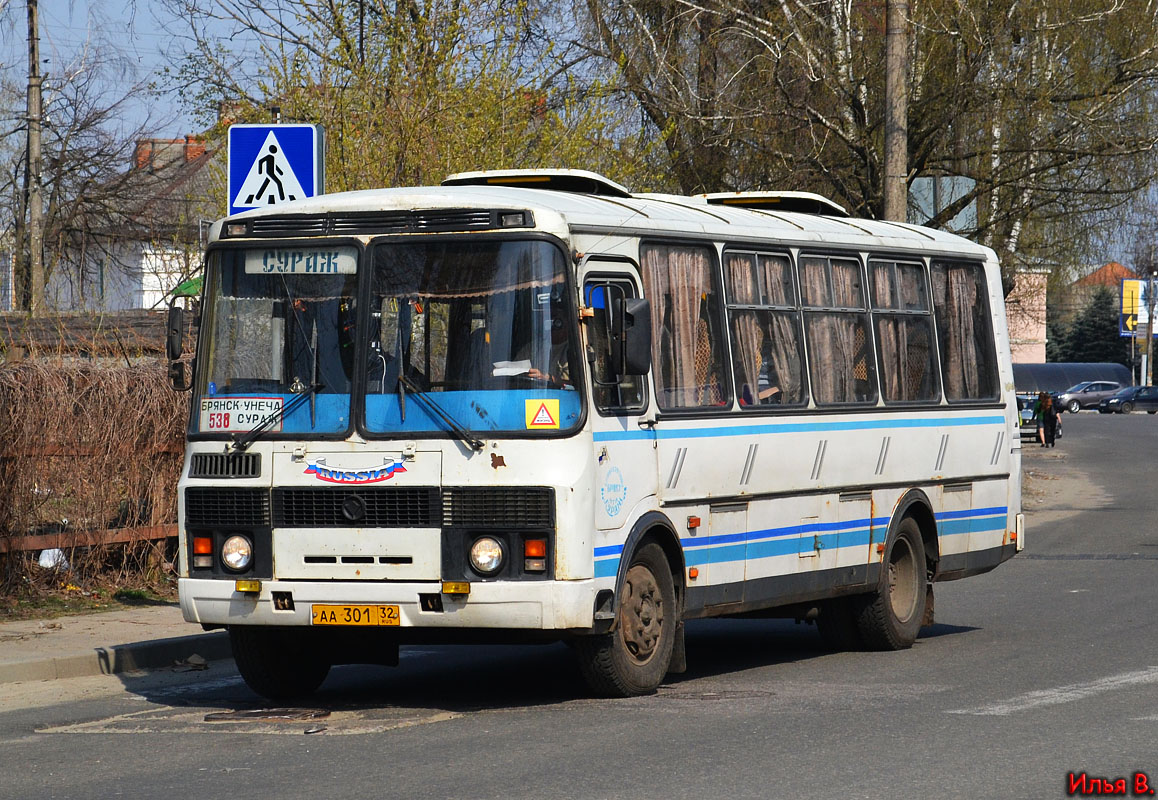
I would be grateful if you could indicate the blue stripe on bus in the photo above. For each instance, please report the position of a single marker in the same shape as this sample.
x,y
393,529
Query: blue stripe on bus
x,y
789,540
716,431
971,512
975,525
788,530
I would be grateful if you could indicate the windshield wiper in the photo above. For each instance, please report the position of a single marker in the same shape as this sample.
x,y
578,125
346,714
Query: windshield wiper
x,y
240,443
462,433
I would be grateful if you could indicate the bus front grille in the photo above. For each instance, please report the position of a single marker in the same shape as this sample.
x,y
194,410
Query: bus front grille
x,y
213,506
225,465
514,508
510,508
416,507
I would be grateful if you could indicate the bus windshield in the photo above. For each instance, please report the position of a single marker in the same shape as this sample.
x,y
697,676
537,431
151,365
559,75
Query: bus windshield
x,y
279,322
482,332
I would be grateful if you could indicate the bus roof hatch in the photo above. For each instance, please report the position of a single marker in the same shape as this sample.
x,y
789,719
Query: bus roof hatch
x,y
558,180
799,202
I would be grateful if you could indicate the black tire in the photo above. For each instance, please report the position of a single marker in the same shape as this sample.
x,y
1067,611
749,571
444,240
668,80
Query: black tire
x,y
890,618
837,625
1074,406
1127,407
634,657
277,663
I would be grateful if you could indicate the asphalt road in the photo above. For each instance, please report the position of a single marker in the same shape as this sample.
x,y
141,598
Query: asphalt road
x,y
1044,667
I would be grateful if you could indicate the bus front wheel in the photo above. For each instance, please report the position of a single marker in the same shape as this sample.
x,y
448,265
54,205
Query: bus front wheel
x,y
634,657
890,618
277,663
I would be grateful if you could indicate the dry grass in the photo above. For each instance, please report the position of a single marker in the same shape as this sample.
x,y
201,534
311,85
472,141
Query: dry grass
x,y
87,447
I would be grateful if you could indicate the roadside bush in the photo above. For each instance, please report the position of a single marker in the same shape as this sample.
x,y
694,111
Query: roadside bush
x,y
86,449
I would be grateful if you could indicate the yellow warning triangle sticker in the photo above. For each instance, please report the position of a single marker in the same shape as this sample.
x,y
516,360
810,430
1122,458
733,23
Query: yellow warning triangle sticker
x,y
542,413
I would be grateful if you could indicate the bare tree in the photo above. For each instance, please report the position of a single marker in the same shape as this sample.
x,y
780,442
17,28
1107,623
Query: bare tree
x,y
90,192
1045,106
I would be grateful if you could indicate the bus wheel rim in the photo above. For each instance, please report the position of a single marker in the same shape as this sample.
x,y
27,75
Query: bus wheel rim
x,y
902,578
641,620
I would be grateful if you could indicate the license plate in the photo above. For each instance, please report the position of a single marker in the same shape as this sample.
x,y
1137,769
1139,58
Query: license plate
x,y
354,615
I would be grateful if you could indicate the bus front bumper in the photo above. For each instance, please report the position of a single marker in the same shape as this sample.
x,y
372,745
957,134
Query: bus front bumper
x,y
516,605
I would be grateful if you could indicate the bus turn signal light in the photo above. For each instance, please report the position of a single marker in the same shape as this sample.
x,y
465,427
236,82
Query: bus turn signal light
x,y
202,552
535,555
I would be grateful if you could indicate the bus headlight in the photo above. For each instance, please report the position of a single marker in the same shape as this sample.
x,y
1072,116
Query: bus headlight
x,y
237,553
486,555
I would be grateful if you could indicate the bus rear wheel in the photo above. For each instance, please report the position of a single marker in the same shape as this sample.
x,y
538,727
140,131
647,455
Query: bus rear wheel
x,y
277,663
634,657
890,618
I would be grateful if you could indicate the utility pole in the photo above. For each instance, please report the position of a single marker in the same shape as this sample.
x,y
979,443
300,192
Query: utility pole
x,y
896,193
32,174
1146,369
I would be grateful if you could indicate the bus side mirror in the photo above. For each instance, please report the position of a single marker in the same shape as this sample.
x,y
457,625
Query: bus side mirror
x,y
174,332
632,336
174,345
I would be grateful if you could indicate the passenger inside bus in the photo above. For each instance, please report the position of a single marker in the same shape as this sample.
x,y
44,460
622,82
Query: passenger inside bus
x,y
551,364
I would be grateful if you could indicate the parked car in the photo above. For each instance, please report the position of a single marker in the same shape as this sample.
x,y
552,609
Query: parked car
x,y
1143,398
1025,413
1087,394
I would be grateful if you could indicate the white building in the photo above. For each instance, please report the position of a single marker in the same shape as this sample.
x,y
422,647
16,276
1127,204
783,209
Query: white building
x,y
138,265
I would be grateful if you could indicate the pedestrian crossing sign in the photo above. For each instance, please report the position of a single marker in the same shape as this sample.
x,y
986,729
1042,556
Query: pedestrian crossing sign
x,y
274,164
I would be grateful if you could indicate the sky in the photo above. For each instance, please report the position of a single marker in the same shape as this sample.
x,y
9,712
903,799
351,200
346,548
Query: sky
x,y
134,31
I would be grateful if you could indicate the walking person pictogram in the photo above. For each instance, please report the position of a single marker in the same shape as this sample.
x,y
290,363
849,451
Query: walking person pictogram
x,y
264,172
267,166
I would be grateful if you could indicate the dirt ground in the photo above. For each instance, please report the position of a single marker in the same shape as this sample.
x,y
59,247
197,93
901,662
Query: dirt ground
x,y
1053,487
37,593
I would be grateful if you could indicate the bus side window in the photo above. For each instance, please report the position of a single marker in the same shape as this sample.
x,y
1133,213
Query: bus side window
x,y
903,321
842,364
687,339
961,306
765,326
610,395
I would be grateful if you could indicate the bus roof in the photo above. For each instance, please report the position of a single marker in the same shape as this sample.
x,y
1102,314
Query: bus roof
x,y
637,214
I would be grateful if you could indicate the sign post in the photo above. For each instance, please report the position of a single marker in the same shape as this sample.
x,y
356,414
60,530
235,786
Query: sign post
x,y
1146,381
274,164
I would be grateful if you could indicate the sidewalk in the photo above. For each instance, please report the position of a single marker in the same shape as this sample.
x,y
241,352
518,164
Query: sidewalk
x,y
103,643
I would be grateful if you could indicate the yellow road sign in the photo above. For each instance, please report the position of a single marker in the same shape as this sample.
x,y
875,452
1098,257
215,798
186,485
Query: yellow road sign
x,y
1131,295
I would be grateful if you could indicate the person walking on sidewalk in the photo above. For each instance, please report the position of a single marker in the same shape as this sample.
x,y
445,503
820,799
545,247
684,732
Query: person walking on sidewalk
x,y
1039,417
1046,416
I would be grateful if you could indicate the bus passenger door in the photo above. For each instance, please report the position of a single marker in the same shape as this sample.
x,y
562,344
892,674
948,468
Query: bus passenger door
x,y
624,444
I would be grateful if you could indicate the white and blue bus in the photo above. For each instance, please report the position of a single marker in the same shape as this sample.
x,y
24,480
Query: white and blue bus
x,y
533,405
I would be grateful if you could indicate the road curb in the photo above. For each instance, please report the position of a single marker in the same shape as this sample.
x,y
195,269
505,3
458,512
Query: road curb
x,y
119,658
